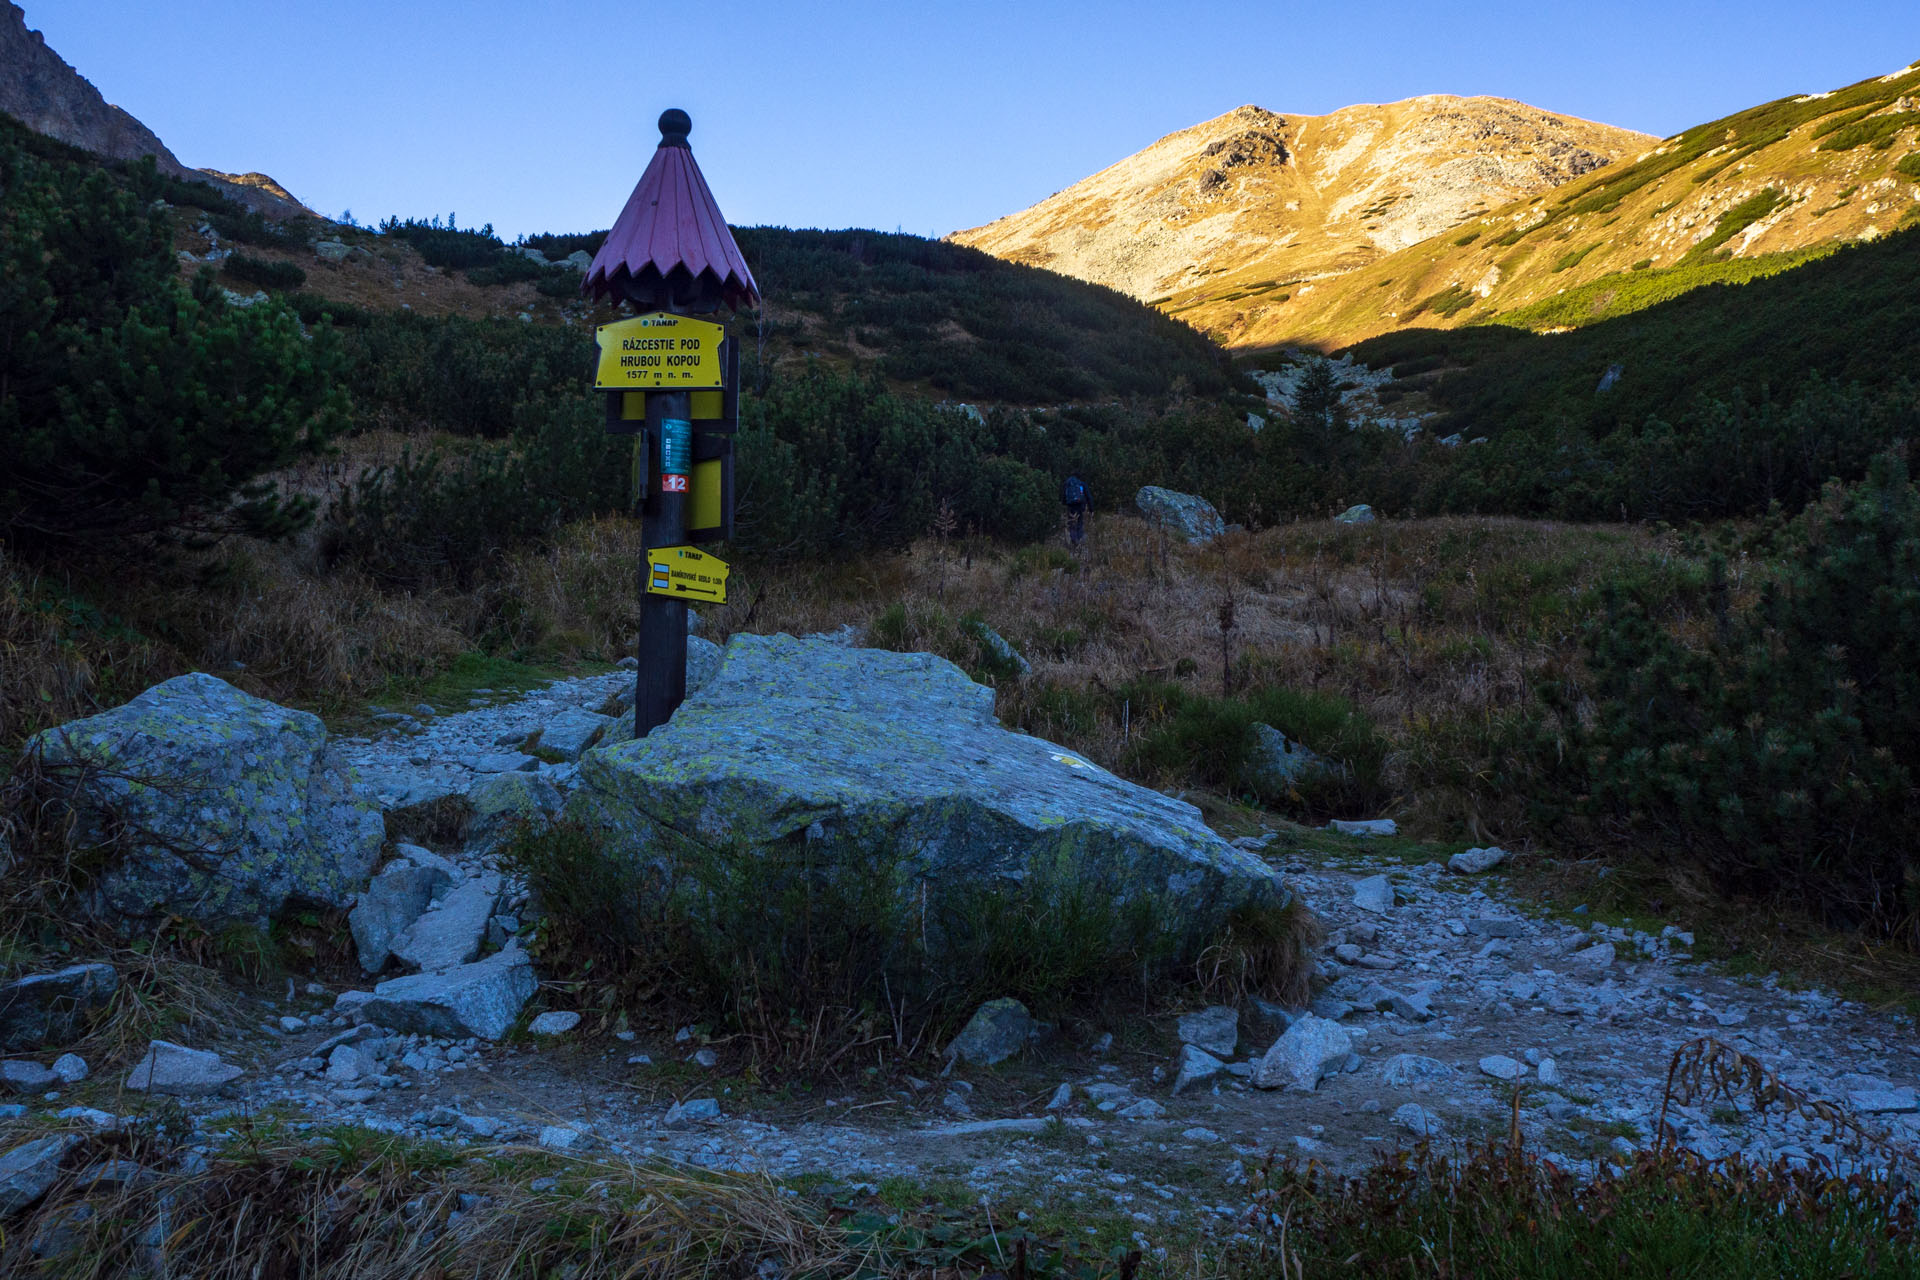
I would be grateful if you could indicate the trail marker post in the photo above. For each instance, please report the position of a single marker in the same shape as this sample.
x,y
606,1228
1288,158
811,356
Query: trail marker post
x,y
673,383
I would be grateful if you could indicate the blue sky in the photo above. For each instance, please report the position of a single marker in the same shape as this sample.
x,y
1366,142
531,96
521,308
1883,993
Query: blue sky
x,y
923,116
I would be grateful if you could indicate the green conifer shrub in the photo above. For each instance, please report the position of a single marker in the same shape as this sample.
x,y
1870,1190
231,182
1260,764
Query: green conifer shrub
x,y
130,404
1779,754
264,272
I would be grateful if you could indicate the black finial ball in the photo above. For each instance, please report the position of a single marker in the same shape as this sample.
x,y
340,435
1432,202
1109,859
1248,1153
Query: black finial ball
x,y
675,125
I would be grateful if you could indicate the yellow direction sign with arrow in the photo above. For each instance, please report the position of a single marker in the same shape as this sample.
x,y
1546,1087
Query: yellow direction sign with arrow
x,y
660,350
688,573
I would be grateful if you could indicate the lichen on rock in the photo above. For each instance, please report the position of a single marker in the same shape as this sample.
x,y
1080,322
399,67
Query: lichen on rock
x,y
228,806
891,767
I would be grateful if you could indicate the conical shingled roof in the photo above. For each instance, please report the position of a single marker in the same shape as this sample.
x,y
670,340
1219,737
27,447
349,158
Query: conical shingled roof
x,y
670,243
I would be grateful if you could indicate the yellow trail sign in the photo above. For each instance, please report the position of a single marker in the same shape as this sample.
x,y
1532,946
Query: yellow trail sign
x,y
659,350
688,573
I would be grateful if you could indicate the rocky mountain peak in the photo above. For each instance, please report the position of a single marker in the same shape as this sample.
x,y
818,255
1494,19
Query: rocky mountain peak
x,y
1277,199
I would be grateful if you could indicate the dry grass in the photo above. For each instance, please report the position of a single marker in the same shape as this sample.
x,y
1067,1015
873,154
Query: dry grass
x,y
366,1206
1437,631
1709,1069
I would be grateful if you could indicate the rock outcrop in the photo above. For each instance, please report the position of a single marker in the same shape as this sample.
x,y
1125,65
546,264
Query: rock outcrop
x,y
222,807
892,764
39,89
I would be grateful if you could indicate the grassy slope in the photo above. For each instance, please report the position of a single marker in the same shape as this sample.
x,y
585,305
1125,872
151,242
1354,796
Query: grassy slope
x,y
1749,194
1852,316
937,319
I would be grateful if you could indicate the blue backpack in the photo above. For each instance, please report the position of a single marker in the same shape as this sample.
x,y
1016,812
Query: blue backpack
x,y
1073,492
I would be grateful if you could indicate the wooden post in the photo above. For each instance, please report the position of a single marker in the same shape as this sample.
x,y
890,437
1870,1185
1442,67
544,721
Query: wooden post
x,y
670,253
660,685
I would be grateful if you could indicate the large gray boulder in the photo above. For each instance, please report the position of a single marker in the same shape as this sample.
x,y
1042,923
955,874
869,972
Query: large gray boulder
x,y
480,999
892,765
1188,516
233,805
50,1009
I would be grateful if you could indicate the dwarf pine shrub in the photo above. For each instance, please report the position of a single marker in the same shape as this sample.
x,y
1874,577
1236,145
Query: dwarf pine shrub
x,y
1779,754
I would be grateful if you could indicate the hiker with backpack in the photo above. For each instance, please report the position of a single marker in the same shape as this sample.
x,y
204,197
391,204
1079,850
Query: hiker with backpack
x,y
1076,499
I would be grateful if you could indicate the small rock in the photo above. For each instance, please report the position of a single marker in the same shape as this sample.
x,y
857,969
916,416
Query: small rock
x,y
1501,1067
705,1058
71,1068
26,1077
432,861
1417,1120
178,1071
1348,953
1063,1098
482,999
1474,861
562,1137
291,1024
1405,1070
693,1111
347,1064
1196,1064
389,907
92,1115
1414,1006
48,1009
451,933
1548,1072
1884,1100
998,1030
1593,958
1374,894
1143,1109
570,734
486,1127
1359,513
1311,1049
1493,927
1215,1029
554,1023
1365,827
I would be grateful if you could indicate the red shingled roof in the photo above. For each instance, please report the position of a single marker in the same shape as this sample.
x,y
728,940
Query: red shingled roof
x,y
672,223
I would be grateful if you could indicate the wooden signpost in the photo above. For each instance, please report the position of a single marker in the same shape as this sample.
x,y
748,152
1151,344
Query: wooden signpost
x,y
673,383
